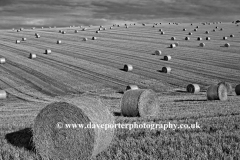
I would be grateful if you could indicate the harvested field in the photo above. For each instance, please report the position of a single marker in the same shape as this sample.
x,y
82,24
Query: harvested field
x,y
81,66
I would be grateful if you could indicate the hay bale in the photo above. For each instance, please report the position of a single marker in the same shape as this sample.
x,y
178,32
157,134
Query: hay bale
x,y
158,52
190,33
48,51
202,44
216,27
110,27
97,31
195,29
3,94
17,41
54,140
173,38
214,30
162,32
63,32
24,39
132,87
172,45
224,38
59,41
76,31
207,32
187,38
227,85
221,29
184,29
208,38
85,39
140,102
32,56
127,67
167,58
84,29
176,43
2,60
217,92
237,89
94,38
197,26
166,69
231,35
227,45
60,31
199,38
104,28
193,88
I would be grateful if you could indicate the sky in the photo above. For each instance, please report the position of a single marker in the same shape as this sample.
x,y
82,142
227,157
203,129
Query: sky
x,y
37,13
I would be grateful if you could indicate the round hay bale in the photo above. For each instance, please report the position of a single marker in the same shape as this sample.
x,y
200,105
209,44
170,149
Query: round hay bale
x,y
18,30
24,39
221,29
193,88
231,35
60,31
17,41
191,24
166,69
140,102
173,38
167,58
158,52
227,45
48,51
162,32
184,29
3,94
172,45
189,33
195,29
97,31
118,25
94,38
217,92
214,30
32,56
187,38
84,29
207,32
132,87
85,39
224,38
76,31
228,86
53,138
38,36
237,89
63,32
197,26
110,27
2,60
208,38
199,38
104,28
127,67
59,41
202,44
216,27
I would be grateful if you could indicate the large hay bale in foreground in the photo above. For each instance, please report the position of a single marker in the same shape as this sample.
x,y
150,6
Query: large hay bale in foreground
x,y
140,102
217,92
3,94
53,139
224,38
17,41
227,85
193,88
237,89
208,38
202,44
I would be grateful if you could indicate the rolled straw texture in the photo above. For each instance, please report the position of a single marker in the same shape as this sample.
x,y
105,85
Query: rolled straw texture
x,y
52,142
140,102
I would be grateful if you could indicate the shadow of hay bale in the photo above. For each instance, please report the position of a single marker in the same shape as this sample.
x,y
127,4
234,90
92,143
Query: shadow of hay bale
x,y
117,113
21,139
